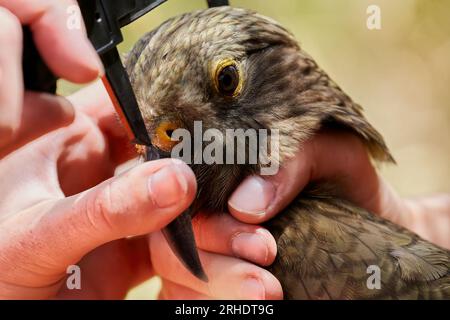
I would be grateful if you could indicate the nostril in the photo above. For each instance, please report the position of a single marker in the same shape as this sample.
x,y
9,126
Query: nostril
x,y
169,132
163,134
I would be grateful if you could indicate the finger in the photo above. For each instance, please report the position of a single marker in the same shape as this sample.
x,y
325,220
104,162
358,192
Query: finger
x,y
93,100
331,156
11,87
221,233
173,291
41,114
139,201
59,36
138,260
111,270
229,278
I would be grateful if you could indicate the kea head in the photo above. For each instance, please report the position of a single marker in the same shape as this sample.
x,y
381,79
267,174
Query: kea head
x,y
235,69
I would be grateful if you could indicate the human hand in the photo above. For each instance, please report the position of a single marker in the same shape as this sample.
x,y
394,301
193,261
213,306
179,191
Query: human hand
x,y
56,207
56,43
333,156
53,212
341,158
223,242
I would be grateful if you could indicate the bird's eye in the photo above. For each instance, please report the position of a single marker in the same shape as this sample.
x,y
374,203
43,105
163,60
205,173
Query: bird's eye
x,y
227,79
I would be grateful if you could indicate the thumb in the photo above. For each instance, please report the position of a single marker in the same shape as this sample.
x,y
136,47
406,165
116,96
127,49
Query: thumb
x,y
333,156
140,201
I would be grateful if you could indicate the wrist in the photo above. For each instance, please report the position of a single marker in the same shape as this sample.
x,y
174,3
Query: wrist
x,y
430,218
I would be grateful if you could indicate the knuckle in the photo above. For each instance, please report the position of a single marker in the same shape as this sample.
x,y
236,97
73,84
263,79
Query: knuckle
x,y
65,113
251,271
100,209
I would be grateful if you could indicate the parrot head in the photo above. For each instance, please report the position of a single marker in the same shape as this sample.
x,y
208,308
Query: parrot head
x,y
230,68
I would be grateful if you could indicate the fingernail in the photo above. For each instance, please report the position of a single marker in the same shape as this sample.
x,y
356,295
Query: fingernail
x,y
253,289
250,246
253,196
168,186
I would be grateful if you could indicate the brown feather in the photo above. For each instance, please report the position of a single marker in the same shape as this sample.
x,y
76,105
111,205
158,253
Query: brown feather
x,y
325,244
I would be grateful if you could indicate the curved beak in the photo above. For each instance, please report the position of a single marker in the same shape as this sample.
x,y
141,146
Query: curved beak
x,y
179,233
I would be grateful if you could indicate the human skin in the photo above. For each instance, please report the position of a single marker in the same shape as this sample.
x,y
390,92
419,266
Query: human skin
x,y
329,156
61,204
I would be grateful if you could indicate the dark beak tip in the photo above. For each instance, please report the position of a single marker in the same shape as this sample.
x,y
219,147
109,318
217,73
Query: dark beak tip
x,y
202,276
195,268
180,237
179,233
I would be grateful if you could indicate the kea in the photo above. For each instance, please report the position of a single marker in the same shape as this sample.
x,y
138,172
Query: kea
x,y
233,68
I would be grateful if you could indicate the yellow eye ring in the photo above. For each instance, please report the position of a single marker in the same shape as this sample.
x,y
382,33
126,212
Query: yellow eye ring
x,y
228,78
161,138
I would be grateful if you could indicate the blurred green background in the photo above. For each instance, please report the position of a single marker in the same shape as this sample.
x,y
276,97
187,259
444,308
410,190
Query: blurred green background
x,y
399,74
